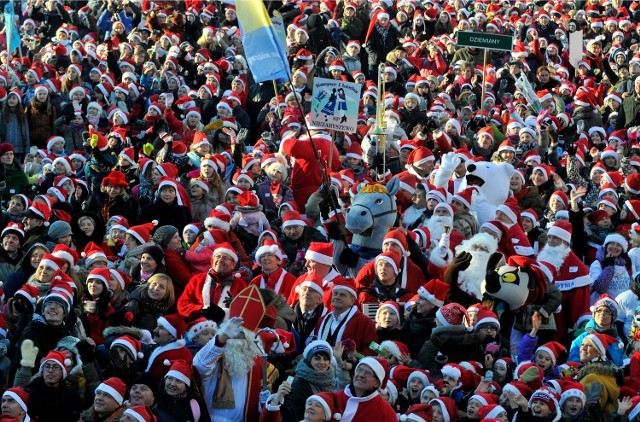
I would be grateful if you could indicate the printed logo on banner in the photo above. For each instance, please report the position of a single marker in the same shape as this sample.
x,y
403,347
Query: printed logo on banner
x,y
335,105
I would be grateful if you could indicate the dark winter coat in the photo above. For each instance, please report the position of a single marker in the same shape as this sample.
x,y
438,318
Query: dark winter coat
x,y
121,207
48,404
455,344
173,214
416,330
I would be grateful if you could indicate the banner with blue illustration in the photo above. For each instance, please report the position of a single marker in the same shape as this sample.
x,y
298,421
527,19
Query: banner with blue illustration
x,y
11,29
335,105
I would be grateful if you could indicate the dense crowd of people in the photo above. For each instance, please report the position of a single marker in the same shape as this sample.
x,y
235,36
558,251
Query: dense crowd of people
x,y
177,242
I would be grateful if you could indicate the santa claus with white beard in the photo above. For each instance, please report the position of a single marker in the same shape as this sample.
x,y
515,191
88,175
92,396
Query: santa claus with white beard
x,y
440,226
572,279
229,365
480,247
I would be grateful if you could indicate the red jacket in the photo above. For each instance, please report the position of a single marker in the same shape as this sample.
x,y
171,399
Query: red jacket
x,y
280,281
178,269
191,302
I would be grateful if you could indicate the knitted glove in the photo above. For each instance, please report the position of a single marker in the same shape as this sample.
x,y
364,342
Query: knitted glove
x,y
29,353
86,352
94,140
147,149
349,257
529,375
216,125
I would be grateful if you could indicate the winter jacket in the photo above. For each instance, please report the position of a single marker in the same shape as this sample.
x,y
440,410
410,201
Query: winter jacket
x,y
172,214
41,124
49,404
379,45
416,331
95,204
615,353
10,124
178,269
601,381
8,264
455,344
145,311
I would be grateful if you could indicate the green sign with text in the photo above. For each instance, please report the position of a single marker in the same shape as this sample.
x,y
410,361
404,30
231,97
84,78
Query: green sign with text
x,y
484,40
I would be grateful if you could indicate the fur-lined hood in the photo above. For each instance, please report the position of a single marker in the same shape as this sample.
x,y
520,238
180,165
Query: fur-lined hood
x,y
607,369
122,330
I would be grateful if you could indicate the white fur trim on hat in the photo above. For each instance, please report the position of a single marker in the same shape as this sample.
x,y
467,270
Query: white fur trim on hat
x,y
227,251
617,238
428,296
105,388
378,370
558,232
179,376
265,249
17,398
451,371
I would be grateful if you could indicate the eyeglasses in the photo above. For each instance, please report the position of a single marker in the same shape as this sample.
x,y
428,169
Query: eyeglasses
x,y
52,368
364,372
222,258
488,328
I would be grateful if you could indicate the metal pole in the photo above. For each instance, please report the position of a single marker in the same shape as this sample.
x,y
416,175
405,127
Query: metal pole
x,y
484,72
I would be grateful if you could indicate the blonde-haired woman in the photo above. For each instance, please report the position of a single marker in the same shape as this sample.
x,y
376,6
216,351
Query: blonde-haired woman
x,y
149,302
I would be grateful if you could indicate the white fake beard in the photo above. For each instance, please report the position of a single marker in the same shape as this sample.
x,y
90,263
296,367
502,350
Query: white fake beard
x,y
239,356
471,279
411,215
554,255
436,226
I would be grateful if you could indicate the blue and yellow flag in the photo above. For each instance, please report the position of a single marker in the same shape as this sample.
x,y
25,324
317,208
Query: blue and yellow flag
x,y
11,29
263,50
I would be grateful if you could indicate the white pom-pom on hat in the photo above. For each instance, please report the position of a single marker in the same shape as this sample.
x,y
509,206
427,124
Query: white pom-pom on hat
x,y
140,355
338,416
67,362
154,222
166,362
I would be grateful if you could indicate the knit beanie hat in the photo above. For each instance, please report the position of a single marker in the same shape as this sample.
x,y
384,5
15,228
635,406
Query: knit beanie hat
x,y
59,229
163,235
148,379
156,253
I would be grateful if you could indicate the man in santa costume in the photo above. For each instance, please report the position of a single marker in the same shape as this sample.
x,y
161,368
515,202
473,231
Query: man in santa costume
x,y
410,277
207,292
420,163
230,366
309,308
168,336
306,175
346,321
319,260
360,401
480,247
572,278
517,242
441,228
269,256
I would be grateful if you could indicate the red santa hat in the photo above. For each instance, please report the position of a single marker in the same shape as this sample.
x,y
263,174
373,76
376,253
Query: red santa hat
x,y
547,396
562,230
93,253
562,197
321,252
218,219
346,284
397,237
114,387
485,399
227,249
270,247
439,194
140,414
506,146
531,214
179,369
602,342
59,358
19,395
434,291
511,209
465,196
51,261
102,275
447,407
392,258
195,327
419,156
486,316
354,151
13,228
452,314
546,170
174,324
632,183
491,412
328,404
379,366
131,345
292,218
29,292
313,281
554,349
142,233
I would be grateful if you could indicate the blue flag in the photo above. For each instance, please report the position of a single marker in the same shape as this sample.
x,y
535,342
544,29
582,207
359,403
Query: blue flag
x,y
263,50
11,29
